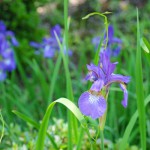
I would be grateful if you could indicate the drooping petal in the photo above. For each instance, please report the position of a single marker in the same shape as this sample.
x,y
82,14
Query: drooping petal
x,y
92,76
14,41
117,40
124,102
2,75
49,52
12,36
9,64
96,71
92,67
117,78
92,105
97,85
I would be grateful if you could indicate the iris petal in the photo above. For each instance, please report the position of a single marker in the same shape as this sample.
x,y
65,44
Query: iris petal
x,y
56,29
49,51
124,102
97,85
92,105
107,66
2,75
118,78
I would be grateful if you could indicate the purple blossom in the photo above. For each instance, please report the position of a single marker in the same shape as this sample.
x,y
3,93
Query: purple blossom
x,y
49,45
7,58
8,34
93,102
113,45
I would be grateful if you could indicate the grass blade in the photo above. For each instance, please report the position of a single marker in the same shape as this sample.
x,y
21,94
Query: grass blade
x,y
26,119
54,78
2,120
139,90
43,128
145,45
130,126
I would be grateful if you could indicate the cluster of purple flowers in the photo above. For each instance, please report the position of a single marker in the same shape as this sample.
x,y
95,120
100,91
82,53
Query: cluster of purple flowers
x,y
7,59
49,45
113,46
93,103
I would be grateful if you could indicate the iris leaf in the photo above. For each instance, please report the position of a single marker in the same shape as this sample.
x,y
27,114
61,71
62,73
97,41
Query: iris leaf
x,y
44,125
145,45
130,126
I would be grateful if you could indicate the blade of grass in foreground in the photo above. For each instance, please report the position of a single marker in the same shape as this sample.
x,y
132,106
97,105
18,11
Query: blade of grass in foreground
x,y
130,126
72,122
2,120
43,128
139,90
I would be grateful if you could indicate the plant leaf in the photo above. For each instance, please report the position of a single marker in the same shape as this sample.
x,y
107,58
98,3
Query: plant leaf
x,y
43,128
145,45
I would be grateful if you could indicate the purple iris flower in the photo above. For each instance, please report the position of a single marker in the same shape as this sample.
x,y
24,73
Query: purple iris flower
x,y
93,102
50,45
8,34
113,45
7,58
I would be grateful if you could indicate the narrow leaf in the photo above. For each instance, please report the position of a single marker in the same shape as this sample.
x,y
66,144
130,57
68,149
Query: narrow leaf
x,y
139,90
44,125
130,126
145,45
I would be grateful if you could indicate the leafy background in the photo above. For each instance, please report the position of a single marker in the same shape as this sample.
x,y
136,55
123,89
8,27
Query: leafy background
x,y
27,88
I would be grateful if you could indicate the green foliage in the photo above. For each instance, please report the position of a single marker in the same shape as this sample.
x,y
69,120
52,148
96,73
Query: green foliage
x,y
38,81
21,17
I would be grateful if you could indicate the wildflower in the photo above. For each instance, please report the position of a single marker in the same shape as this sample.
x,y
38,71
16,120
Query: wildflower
x,y
8,34
50,45
113,45
7,58
93,102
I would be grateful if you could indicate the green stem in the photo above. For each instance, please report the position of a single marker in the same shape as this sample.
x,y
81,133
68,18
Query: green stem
x,y
54,78
93,144
2,120
102,121
102,139
105,22
79,144
140,90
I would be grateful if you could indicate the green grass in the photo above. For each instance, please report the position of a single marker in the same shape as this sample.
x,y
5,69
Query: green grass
x,y
139,89
34,86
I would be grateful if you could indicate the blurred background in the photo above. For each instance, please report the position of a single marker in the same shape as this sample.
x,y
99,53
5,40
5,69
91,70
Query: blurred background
x,y
27,87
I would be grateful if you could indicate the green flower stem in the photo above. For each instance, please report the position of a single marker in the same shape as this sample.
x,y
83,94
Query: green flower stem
x,y
105,22
2,132
102,121
102,139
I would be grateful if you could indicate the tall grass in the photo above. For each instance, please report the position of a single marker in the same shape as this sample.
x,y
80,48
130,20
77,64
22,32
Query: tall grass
x,y
139,89
113,125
